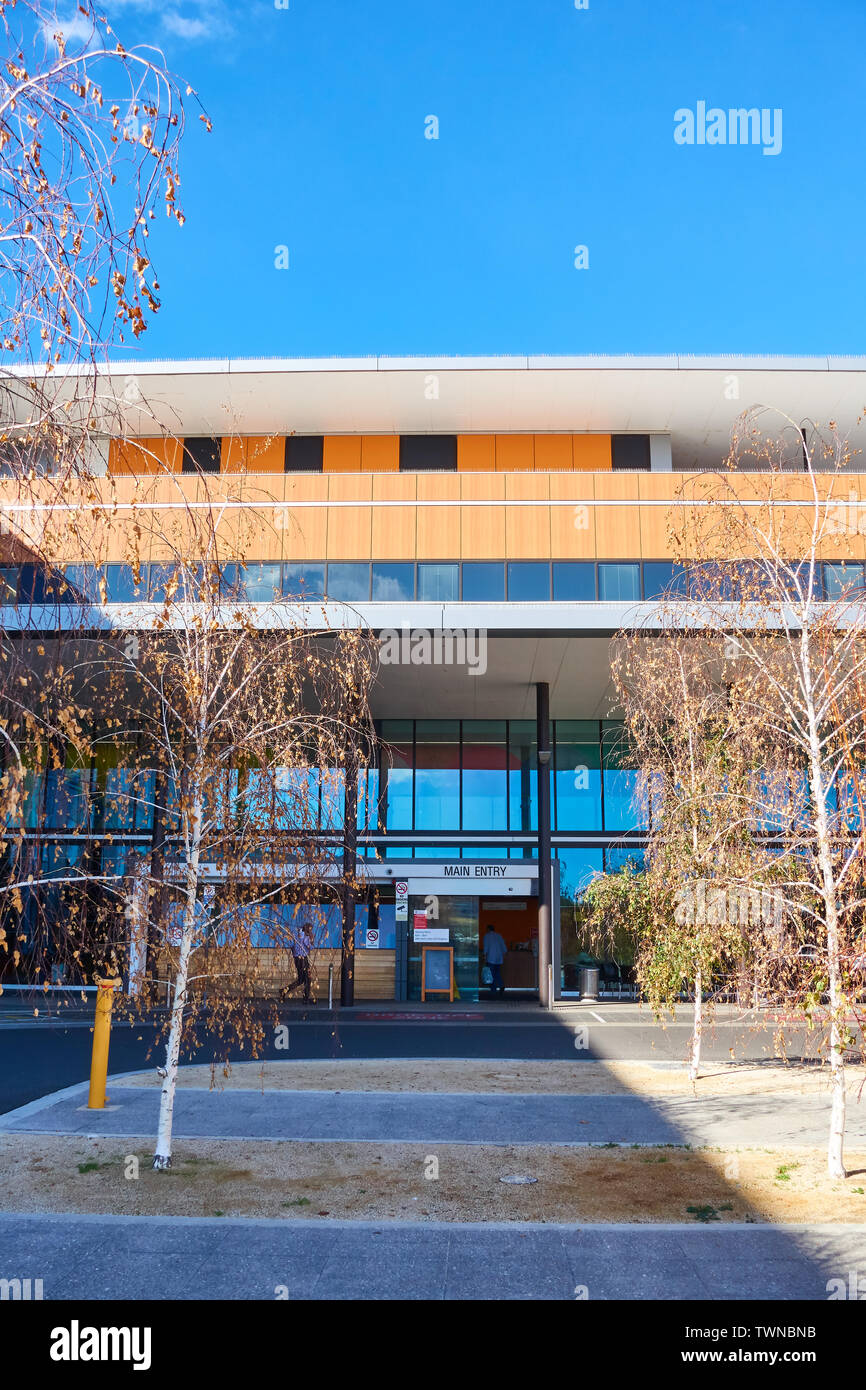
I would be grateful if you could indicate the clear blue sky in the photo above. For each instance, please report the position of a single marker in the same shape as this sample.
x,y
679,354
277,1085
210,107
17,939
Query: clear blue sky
x,y
555,129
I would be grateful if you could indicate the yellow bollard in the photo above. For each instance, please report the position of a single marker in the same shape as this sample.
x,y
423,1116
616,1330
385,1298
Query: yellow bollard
x,y
101,1037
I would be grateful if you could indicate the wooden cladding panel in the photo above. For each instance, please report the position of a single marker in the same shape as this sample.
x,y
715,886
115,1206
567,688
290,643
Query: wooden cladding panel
x,y
617,533
350,533
482,533
374,973
572,532
394,533
527,533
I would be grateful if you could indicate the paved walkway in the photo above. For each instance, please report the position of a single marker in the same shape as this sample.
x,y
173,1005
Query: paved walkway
x,y
137,1257
381,1117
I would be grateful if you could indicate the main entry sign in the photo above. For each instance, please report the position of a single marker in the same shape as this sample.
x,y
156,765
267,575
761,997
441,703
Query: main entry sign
x,y
497,871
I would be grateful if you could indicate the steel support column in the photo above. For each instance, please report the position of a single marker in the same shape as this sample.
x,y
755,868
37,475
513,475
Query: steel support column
x,y
542,708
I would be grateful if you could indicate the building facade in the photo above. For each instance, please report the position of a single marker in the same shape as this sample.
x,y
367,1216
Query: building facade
x,y
495,523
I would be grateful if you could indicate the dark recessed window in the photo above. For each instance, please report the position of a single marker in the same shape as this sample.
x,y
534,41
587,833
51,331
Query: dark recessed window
x,y
202,455
437,583
618,583
631,451
393,583
529,581
304,453
574,581
304,581
349,583
8,583
434,452
483,581
663,579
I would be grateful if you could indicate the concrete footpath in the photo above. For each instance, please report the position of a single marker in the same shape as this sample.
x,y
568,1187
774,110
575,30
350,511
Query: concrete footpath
x,y
126,1257
383,1117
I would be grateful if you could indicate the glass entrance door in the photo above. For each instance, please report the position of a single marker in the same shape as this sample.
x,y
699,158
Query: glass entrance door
x,y
459,916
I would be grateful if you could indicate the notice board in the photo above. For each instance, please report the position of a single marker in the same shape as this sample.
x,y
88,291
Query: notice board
x,y
437,970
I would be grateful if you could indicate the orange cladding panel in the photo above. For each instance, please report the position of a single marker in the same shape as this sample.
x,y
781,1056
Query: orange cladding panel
x,y
341,453
380,453
515,453
591,453
553,453
476,453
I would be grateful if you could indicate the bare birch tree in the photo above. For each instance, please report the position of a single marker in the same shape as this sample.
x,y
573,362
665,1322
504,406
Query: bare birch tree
x,y
789,659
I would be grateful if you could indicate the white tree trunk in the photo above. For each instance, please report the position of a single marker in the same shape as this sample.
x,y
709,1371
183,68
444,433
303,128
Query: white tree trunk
x,y
162,1157
836,1141
697,1030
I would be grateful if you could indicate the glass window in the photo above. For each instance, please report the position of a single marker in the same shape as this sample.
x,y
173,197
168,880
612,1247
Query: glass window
x,y
82,584
578,775
842,580
577,868
8,583
67,798
303,581
349,583
662,578
618,583
574,581
121,585
622,857
36,584
252,583
160,578
437,774
393,583
368,799
621,812
485,801
522,775
333,798
395,773
437,583
484,581
529,581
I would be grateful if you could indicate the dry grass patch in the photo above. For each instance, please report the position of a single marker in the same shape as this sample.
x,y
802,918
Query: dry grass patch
x,y
300,1181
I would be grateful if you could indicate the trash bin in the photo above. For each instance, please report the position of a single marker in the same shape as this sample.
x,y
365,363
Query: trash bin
x,y
589,982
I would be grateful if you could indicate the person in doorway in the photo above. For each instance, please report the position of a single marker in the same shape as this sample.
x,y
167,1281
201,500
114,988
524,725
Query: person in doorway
x,y
302,944
494,954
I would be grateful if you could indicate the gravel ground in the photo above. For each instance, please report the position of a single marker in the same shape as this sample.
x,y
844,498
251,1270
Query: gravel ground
x,y
364,1181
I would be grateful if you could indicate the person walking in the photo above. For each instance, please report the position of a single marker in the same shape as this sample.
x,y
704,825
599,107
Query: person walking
x,y
302,944
495,951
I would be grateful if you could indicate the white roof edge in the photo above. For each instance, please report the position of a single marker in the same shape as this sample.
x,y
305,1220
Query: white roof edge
x,y
274,365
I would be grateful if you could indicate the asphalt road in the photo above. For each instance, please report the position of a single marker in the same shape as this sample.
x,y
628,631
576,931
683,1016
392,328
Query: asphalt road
x,y
44,1055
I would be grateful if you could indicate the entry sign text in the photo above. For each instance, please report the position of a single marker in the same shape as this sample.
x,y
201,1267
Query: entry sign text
x,y
474,871
422,930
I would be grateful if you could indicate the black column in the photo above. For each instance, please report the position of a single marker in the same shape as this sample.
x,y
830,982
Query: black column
x,y
542,707
350,845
